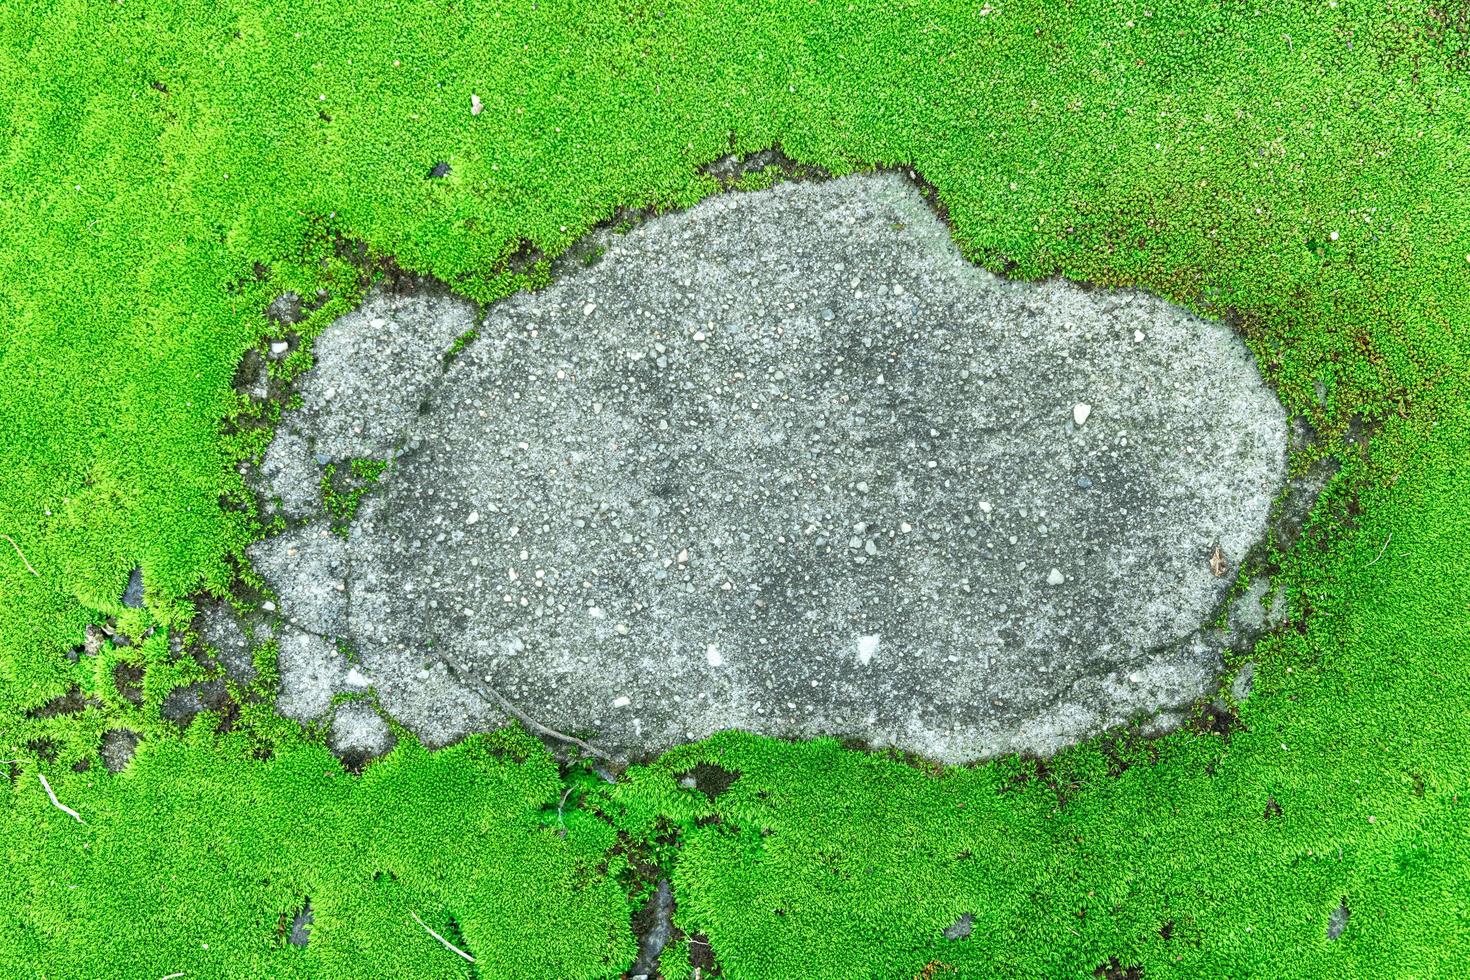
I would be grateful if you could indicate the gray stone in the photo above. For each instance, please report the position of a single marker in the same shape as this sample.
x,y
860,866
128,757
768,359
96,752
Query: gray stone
x,y
301,923
1244,682
287,475
132,596
309,563
1337,920
285,308
183,703
312,671
373,368
358,731
960,928
118,747
664,452
655,926
221,630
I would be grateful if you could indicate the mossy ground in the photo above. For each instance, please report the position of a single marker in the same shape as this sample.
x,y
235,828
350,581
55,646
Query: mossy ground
x,y
171,167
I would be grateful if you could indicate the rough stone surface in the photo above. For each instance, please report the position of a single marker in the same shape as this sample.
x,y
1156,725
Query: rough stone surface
x,y
285,308
960,928
783,462
132,596
301,923
313,671
222,631
315,560
1337,920
287,468
655,927
358,731
118,747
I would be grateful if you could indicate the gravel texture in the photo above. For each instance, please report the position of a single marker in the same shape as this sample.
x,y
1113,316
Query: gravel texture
x,y
783,462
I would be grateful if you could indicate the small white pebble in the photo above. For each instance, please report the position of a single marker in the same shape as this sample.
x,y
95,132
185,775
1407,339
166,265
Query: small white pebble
x,y
621,702
473,518
1080,412
1056,577
984,506
476,106
712,654
1138,336
587,308
1333,236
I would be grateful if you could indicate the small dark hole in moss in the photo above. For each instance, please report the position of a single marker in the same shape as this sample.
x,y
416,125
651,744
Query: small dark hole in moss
x,y
709,779
1113,969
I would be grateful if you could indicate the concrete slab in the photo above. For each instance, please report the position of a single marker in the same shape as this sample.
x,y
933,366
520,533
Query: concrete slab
x,y
784,462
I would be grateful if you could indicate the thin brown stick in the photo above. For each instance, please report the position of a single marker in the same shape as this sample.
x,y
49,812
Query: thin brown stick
x,y
559,808
30,568
527,720
57,803
447,944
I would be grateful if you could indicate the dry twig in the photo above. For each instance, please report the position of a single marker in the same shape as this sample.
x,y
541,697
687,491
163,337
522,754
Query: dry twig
x,y
447,944
559,807
23,557
57,803
525,719
1380,550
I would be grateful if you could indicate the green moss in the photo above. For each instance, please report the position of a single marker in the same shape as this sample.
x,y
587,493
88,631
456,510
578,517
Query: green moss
x,y
171,168
343,489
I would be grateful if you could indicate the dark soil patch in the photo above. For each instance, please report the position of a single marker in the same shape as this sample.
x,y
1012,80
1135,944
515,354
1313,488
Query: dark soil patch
x,y
709,779
70,703
1217,719
1115,970
128,679
702,959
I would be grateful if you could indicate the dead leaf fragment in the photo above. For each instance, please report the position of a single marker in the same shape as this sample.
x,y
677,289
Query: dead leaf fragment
x,y
1218,565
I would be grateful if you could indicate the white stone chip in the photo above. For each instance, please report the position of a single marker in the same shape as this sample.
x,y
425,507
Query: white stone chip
x,y
1080,412
1056,577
